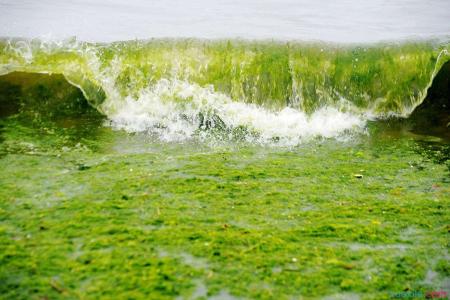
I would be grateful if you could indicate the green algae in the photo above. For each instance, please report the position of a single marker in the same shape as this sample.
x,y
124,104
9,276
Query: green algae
x,y
87,212
381,78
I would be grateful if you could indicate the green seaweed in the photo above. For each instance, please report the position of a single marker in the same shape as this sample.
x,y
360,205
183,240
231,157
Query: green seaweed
x,y
105,214
380,78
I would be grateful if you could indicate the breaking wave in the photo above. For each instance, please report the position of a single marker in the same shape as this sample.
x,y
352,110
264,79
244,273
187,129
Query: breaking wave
x,y
177,110
262,92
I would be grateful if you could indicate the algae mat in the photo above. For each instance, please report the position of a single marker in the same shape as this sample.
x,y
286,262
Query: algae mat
x,y
114,216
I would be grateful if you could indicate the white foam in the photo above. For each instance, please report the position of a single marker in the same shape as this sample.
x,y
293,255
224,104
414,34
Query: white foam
x,y
171,110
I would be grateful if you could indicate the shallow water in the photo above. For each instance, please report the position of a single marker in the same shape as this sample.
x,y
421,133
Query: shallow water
x,y
87,211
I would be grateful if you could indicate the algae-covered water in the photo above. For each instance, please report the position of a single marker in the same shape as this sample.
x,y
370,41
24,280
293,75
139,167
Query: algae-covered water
x,y
191,169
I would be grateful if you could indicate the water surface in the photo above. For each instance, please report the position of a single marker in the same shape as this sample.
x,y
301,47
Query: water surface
x,y
326,20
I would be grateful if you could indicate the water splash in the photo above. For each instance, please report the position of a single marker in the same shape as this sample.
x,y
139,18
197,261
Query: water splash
x,y
262,92
177,111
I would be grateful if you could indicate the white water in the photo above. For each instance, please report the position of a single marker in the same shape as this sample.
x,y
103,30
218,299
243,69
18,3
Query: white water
x,y
327,20
156,112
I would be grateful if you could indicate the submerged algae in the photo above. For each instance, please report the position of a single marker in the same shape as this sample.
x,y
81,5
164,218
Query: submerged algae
x,y
264,223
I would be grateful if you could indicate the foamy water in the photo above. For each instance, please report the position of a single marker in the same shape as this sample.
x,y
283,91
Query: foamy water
x,y
327,20
178,111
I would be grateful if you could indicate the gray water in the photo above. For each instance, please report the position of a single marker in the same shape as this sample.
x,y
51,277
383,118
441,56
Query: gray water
x,y
326,20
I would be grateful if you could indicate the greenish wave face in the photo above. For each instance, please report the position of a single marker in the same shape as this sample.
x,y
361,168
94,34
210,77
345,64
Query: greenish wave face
x,y
270,91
